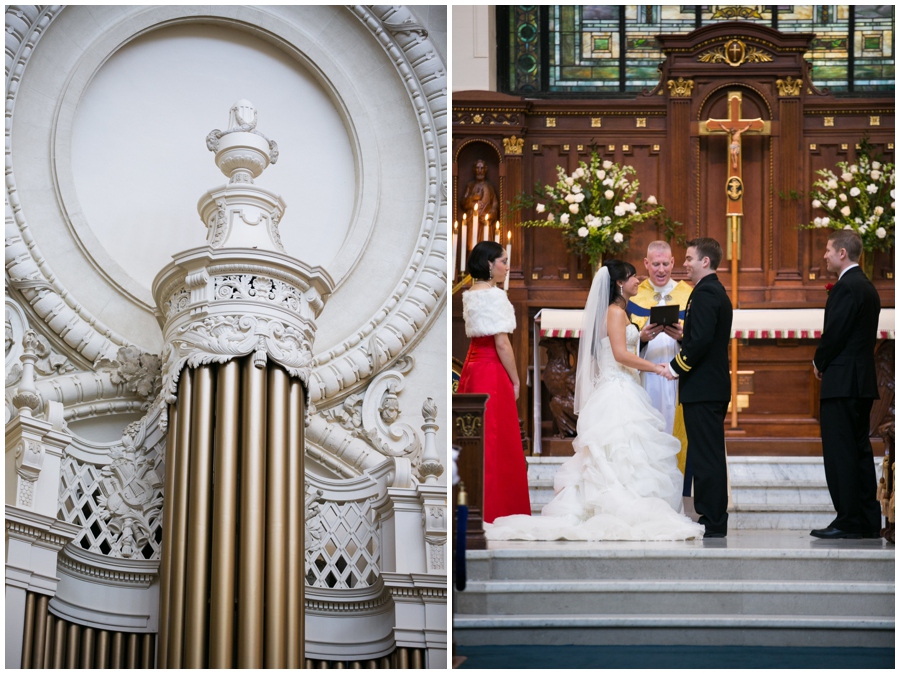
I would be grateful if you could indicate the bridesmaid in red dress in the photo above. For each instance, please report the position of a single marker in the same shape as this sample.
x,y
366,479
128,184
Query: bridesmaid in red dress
x,y
490,368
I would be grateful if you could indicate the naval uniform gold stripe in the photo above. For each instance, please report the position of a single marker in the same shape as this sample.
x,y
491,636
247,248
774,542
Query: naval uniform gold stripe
x,y
681,363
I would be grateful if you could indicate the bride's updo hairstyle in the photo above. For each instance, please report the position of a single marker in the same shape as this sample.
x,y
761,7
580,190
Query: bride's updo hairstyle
x,y
618,271
479,265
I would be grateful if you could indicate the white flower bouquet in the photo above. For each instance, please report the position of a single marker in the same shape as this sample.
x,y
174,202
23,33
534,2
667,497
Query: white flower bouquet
x,y
858,196
596,207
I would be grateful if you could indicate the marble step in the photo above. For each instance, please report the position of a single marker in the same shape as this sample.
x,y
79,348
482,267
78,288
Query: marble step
x,y
766,492
773,588
674,629
574,561
693,597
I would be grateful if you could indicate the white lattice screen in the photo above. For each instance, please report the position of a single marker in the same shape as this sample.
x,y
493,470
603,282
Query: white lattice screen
x,y
349,553
78,503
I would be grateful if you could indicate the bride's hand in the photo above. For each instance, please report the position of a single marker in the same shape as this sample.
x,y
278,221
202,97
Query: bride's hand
x,y
663,371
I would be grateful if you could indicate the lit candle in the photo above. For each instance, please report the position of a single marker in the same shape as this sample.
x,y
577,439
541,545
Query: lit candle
x,y
497,232
475,227
487,229
453,250
465,247
508,259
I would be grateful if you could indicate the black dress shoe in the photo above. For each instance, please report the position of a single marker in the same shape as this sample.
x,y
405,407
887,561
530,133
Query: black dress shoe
x,y
831,532
872,534
713,534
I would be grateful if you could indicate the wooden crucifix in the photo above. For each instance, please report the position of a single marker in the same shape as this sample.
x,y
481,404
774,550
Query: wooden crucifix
x,y
735,127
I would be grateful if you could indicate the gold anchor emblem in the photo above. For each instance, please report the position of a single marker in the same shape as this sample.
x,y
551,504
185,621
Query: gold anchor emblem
x,y
734,188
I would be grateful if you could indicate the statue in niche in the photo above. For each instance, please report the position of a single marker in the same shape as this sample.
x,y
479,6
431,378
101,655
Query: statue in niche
x,y
480,191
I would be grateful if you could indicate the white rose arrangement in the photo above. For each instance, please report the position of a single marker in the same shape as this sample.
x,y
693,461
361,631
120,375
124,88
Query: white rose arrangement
x,y
864,203
596,206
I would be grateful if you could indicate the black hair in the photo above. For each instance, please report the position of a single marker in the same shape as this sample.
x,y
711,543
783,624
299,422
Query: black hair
x,y
619,270
707,247
479,265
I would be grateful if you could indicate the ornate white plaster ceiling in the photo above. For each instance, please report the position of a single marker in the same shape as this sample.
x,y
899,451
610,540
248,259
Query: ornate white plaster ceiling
x,y
140,163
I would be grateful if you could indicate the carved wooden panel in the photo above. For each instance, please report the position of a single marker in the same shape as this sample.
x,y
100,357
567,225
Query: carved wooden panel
x,y
468,436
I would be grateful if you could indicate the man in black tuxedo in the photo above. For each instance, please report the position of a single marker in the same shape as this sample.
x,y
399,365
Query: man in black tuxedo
x,y
705,383
845,364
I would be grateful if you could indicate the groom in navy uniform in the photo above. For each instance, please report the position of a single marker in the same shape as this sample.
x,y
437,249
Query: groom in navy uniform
x,y
845,364
705,382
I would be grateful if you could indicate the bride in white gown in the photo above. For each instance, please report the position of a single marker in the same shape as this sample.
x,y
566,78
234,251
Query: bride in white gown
x,y
623,483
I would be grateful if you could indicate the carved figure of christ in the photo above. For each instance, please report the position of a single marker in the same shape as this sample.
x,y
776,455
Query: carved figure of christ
x,y
735,127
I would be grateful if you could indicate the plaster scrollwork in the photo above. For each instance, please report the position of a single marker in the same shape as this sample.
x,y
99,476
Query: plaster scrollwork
x,y
274,219
130,489
218,225
29,460
177,302
408,27
257,287
137,371
218,339
380,414
348,415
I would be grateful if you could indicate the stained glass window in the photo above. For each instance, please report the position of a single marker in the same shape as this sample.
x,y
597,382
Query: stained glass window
x,y
577,50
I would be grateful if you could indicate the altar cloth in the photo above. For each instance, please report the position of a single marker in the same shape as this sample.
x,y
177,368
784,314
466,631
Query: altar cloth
x,y
747,323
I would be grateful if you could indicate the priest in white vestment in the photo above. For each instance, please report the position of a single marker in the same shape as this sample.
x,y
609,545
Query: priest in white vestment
x,y
660,345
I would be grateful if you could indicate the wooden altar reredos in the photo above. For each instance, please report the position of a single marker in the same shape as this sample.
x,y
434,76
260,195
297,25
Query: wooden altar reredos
x,y
658,132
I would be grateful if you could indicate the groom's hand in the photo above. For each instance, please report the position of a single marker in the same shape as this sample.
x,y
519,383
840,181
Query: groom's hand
x,y
816,372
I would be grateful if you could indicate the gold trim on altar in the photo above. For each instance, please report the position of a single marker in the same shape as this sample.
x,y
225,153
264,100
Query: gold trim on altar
x,y
513,145
789,86
681,88
735,52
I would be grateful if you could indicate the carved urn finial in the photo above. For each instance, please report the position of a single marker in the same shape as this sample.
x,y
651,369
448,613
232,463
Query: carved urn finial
x,y
431,468
27,400
242,152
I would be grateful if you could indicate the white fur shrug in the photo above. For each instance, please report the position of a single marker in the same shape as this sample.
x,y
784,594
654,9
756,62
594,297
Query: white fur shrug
x,y
487,312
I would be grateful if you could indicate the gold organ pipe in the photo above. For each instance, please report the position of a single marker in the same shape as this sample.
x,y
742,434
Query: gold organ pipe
x,y
116,659
131,653
59,644
296,544
199,497
224,534
72,640
179,503
43,650
87,648
251,586
165,563
276,517
41,632
102,649
417,662
147,651
28,635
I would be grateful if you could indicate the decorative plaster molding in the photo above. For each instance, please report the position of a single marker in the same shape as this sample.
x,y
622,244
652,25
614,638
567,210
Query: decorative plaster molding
x,y
417,301
98,569
401,321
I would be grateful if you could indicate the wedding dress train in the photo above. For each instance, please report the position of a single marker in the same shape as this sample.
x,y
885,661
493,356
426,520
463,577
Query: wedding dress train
x,y
623,482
